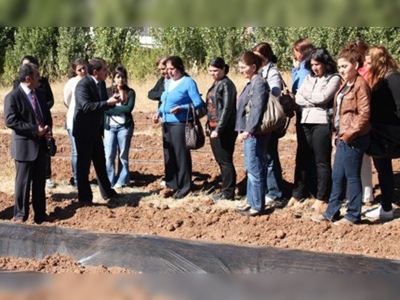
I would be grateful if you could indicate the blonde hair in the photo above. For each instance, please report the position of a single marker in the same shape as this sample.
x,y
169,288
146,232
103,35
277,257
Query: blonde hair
x,y
382,64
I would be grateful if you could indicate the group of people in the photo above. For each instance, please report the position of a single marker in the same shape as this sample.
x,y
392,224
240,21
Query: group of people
x,y
337,101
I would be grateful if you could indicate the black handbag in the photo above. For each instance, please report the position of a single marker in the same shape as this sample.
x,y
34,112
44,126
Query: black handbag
x,y
384,141
194,133
51,146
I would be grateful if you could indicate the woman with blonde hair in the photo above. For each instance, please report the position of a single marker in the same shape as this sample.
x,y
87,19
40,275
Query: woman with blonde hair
x,y
385,110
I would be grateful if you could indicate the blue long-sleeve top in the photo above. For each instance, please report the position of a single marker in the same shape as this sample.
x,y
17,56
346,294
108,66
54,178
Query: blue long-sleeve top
x,y
182,95
298,76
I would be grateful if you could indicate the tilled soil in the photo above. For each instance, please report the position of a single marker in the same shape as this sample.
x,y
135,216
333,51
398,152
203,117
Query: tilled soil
x,y
142,211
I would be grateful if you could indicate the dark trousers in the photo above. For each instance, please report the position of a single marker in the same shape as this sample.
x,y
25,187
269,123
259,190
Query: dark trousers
x,y
48,166
223,147
177,159
88,151
386,181
27,173
314,158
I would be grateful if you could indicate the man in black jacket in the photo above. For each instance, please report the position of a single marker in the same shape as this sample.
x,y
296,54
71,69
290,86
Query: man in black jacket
x,y
91,102
156,92
26,113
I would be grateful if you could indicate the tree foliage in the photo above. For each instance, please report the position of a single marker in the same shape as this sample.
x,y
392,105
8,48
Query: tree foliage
x,y
55,47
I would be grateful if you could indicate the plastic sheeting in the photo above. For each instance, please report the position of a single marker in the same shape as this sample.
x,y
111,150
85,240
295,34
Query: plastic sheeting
x,y
149,254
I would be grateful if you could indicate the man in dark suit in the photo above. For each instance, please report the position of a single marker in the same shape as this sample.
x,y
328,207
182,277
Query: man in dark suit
x,y
45,89
156,92
91,102
27,114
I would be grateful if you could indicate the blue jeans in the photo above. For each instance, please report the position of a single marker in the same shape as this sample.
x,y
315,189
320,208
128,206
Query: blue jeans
x,y
118,138
347,166
254,160
74,156
273,170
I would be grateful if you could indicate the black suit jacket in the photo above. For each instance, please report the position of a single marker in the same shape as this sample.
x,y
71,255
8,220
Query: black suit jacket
x,y
19,115
89,109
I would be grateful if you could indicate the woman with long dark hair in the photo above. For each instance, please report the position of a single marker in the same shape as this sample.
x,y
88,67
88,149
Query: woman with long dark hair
x,y
315,100
221,103
118,129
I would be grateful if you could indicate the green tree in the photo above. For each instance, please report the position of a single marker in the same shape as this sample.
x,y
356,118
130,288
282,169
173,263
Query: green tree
x,y
71,44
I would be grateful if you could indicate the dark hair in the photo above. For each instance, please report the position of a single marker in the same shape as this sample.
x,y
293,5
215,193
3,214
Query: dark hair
x,y
162,60
249,58
76,62
31,59
266,52
176,62
352,55
95,63
219,63
26,70
120,70
321,55
304,47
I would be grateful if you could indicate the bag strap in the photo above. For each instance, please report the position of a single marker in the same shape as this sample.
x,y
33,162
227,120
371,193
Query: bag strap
x,y
191,109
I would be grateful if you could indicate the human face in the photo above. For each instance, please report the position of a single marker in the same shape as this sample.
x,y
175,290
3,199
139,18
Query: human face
x,y
318,68
347,69
119,80
247,71
33,81
216,73
163,70
173,72
101,75
81,71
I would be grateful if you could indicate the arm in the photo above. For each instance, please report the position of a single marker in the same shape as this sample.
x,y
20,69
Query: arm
x,y
228,90
258,102
394,86
14,120
194,95
68,90
361,119
84,99
319,97
274,82
48,93
156,92
123,109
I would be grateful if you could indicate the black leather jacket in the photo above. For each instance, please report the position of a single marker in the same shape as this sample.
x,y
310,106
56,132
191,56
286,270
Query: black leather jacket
x,y
224,102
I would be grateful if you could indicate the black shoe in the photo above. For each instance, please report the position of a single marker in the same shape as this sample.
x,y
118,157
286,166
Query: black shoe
x,y
45,218
219,197
179,195
244,207
251,213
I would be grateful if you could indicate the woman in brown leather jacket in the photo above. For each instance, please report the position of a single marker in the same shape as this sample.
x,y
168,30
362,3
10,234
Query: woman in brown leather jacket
x,y
351,121
221,103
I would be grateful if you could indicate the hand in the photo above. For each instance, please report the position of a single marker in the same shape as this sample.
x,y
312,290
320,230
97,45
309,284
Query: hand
x,y
116,98
214,134
43,130
156,118
244,135
175,110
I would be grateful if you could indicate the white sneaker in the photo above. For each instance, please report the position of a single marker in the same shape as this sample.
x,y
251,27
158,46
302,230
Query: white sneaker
x,y
379,213
269,201
163,183
49,184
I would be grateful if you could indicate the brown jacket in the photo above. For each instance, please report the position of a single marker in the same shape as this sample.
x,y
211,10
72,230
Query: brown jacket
x,y
354,111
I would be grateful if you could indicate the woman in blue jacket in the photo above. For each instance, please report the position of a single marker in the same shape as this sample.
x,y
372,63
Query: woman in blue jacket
x,y
180,92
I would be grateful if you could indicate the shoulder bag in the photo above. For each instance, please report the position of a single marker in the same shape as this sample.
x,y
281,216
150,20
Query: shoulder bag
x,y
194,133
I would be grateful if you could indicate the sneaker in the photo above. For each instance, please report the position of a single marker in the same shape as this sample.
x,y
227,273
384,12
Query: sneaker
x,y
163,183
343,222
319,218
49,184
219,197
167,192
379,213
269,201
293,202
